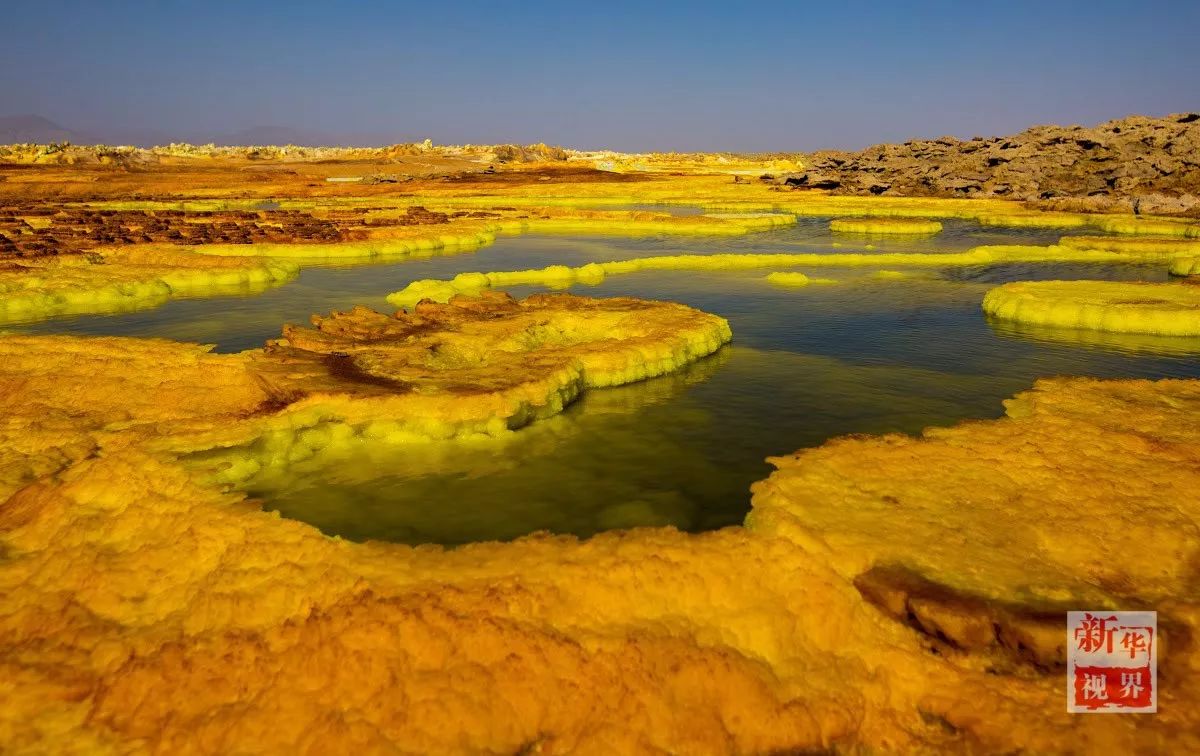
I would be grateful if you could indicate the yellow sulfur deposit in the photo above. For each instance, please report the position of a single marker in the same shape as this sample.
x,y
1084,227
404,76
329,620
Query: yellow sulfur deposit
x,y
884,226
1118,306
478,367
1171,246
483,366
796,279
893,594
557,220
127,278
562,276
1132,224
415,242
1186,266
823,625
1083,496
137,276
1034,220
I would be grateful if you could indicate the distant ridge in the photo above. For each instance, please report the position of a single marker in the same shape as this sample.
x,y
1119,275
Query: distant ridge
x,y
25,128
17,129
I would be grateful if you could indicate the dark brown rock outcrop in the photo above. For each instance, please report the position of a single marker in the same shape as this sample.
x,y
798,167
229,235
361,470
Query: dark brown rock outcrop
x,y
1138,164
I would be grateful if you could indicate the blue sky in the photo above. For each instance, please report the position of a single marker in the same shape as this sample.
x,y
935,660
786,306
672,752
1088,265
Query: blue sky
x,y
633,76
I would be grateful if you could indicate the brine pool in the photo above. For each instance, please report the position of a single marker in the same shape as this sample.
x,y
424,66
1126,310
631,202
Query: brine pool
x,y
868,355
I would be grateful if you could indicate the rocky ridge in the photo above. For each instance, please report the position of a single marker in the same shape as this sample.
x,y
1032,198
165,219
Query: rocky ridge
x,y
1135,164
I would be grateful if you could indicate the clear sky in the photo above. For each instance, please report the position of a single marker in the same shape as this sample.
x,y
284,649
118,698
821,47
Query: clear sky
x,y
634,76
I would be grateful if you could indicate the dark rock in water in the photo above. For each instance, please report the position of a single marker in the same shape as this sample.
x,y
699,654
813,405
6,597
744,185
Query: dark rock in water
x,y
812,180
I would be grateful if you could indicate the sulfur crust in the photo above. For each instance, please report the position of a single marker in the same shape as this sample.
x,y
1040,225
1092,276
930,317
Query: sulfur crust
x,y
884,226
1035,220
1049,508
218,625
411,244
140,276
1186,266
127,278
890,594
561,276
1166,245
796,279
555,220
472,368
1132,224
1114,306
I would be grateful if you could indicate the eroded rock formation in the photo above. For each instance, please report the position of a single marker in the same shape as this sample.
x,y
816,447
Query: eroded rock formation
x,y
1138,164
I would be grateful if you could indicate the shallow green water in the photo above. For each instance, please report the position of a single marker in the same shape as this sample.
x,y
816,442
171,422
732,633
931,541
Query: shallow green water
x,y
864,356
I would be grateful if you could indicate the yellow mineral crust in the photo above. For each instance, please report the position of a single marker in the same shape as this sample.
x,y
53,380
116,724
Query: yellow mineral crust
x,y
1165,245
126,278
1164,309
138,276
143,611
1132,224
562,276
561,220
1055,505
884,226
1083,496
472,368
796,279
1186,266
387,242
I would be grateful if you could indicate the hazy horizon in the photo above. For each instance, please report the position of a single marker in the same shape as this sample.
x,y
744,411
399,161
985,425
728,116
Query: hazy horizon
x,y
697,76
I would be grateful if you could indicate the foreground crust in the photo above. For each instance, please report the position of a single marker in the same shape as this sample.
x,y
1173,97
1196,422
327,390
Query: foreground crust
x,y
870,603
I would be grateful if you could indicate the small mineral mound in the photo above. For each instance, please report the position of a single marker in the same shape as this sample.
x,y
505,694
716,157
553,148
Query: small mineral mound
x,y
1116,306
796,279
1186,266
885,226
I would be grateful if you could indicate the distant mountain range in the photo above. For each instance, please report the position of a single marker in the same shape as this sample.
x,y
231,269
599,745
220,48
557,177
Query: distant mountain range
x,y
35,128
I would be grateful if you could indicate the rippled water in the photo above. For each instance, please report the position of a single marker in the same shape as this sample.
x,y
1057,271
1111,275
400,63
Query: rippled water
x,y
866,356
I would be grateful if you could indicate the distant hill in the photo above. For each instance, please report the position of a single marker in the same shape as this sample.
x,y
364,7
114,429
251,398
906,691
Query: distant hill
x,y
17,129
34,128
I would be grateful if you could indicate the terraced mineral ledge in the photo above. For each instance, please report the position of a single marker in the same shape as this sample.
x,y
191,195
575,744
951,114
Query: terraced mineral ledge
x,y
884,226
1118,307
561,276
473,367
216,617
108,279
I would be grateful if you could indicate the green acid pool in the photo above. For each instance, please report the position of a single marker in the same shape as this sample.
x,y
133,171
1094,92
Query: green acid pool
x,y
868,355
